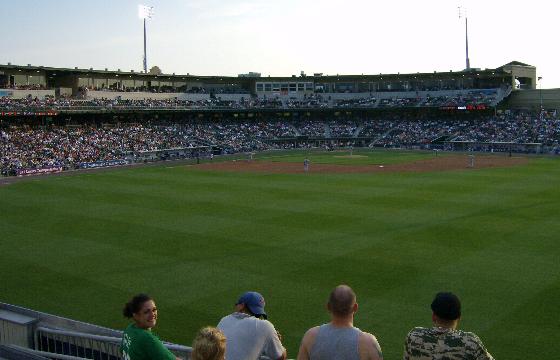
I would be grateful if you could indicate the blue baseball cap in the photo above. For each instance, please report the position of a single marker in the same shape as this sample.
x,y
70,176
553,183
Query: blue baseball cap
x,y
254,301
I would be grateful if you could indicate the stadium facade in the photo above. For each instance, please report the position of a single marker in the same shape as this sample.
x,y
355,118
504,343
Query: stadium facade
x,y
137,117
67,81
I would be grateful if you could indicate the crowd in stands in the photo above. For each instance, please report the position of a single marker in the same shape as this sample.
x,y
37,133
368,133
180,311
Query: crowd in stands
x,y
25,147
342,128
308,101
368,102
503,128
23,87
397,102
159,89
315,101
470,98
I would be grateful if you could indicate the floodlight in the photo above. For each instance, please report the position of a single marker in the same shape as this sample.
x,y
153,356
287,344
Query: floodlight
x,y
145,12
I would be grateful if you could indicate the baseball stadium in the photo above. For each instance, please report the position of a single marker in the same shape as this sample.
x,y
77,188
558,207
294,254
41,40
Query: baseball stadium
x,y
195,189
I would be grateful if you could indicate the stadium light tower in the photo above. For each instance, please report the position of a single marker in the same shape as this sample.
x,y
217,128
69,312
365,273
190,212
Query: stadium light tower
x,y
463,12
539,79
145,12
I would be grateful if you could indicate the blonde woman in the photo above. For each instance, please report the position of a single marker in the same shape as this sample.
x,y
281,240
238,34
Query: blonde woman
x,y
209,344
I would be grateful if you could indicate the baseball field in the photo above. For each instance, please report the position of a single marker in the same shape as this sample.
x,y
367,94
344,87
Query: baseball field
x,y
396,226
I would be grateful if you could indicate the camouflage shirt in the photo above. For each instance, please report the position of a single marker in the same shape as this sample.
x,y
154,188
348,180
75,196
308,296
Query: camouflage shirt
x,y
443,344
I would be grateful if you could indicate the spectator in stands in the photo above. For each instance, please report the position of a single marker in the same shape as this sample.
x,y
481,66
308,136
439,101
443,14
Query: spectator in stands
x,y
444,341
209,344
139,343
339,339
248,332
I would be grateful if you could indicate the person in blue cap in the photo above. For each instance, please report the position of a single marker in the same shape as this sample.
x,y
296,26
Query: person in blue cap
x,y
248,332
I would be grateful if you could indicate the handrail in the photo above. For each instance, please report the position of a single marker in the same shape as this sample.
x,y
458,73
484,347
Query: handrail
x,y
110,339
46,353
79,334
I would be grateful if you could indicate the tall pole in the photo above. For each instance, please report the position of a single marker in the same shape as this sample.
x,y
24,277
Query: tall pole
x,y
467,42
145,12
540,93
468,62
145,57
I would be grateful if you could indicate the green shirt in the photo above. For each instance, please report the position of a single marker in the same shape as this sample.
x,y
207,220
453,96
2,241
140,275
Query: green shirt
x,y
141,344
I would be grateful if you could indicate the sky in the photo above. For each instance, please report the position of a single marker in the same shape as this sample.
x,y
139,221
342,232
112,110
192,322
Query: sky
x,y
283,37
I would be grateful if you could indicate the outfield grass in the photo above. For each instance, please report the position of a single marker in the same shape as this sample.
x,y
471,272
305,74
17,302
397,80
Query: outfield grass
x,y
80,246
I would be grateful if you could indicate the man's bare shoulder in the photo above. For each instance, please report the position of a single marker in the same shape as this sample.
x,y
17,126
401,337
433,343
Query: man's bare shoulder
x,y
369,347
307,343
311,333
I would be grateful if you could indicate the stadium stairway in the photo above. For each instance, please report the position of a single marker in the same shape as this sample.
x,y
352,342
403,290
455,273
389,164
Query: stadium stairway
x,y
359,129
381,137
296,131
441,139
327,133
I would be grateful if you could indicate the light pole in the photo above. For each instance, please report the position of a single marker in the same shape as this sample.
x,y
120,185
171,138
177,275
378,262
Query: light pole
x,y
539,79
145,12
468,62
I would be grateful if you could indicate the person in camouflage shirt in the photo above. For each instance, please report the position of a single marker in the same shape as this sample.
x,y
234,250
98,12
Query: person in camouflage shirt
x,y
444,341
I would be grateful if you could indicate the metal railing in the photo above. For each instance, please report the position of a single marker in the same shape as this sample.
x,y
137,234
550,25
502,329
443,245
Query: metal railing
x,y
89,346
17,351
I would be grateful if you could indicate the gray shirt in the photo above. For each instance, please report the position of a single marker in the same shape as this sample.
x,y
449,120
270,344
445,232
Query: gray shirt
x,y
248,337
334,343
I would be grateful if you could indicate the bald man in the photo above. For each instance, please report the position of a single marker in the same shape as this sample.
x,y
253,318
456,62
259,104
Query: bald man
x,y
339,339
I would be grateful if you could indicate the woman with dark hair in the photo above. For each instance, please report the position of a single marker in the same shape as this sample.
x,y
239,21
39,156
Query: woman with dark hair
x,y
138,342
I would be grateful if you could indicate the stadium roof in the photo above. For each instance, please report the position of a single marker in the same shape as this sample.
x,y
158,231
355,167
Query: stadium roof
x,y
516,63
333,77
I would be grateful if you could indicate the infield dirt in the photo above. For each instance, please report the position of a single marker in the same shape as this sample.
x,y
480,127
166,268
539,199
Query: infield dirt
x,y
443,163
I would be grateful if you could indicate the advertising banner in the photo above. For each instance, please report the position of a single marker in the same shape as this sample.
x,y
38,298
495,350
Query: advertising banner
x,y
45,170
99,164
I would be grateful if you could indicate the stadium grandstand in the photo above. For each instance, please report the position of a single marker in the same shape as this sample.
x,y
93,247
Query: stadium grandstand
x,y
61,119
56,119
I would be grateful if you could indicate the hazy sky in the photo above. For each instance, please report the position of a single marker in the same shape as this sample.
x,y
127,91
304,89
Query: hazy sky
x,y
282,37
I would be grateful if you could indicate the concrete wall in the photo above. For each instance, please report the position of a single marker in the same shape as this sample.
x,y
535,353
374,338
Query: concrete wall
x,y
130,95
528,75
145,95
378,95
193,97
232,97
531,99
